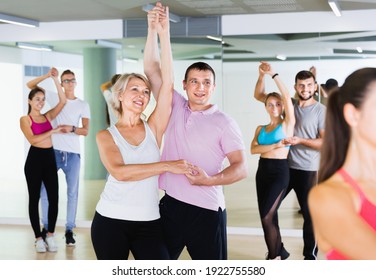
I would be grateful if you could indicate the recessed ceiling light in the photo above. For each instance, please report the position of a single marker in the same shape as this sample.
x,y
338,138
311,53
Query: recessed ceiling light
x,y
19,20
36,47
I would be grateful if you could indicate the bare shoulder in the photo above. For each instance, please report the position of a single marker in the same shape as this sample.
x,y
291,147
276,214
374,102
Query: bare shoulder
x,y
331,193
25,119
103,135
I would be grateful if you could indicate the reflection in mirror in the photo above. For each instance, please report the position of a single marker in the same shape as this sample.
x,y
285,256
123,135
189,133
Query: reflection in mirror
x,y
334,55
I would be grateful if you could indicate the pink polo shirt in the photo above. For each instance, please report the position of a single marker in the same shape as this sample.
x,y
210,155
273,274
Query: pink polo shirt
x,y
202,138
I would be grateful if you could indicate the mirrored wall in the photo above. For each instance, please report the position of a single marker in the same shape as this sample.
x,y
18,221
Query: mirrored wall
x,y
334,55
235,60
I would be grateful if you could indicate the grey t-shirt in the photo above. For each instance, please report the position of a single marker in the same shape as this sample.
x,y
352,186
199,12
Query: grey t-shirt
x,y
309,121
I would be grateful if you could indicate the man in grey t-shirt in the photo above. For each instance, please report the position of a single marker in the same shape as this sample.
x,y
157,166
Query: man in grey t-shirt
x,y
304,153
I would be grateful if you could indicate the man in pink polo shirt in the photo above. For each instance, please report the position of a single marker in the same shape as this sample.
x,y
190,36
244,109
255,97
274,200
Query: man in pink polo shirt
x,y
193,208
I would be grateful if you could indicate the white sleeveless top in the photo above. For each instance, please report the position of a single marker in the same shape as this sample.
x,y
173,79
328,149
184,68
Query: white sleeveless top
x,y
132,200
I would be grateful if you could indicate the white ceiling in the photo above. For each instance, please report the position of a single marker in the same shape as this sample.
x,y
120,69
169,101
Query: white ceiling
x,y
249,47
72,10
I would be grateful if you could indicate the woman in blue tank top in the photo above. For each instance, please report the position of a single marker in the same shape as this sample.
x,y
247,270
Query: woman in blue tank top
x,y
272,175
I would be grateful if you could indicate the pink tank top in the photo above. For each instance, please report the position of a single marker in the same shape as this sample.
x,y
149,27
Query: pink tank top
x,y
39,128
367,212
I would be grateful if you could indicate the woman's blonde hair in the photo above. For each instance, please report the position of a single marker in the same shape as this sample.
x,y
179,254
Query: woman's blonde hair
x,y
120,86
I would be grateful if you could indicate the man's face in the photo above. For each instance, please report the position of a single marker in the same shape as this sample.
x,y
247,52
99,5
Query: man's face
x,y
68,82
199,87
305,88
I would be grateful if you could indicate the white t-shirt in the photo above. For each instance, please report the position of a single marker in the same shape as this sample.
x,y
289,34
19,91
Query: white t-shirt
x,y
71,114
132,200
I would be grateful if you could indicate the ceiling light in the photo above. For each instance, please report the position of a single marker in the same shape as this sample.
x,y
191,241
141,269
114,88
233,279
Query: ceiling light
x,y
281,57
109,44
214,38
359,49
35,47
18,20
173,18
335,7
132,60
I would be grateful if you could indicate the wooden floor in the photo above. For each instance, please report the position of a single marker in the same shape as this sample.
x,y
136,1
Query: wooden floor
x,y
17,243
245,239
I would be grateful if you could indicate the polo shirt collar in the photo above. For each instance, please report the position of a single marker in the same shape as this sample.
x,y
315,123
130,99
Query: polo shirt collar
x,y
213,108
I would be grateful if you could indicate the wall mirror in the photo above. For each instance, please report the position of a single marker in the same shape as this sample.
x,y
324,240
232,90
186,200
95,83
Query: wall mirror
x,y
334,55
235,59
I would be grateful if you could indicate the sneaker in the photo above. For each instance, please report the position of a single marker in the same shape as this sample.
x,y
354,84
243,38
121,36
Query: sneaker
x,y
51,245
69,240
44,234
40,246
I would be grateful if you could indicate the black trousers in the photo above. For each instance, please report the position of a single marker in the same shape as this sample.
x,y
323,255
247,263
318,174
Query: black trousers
x,y
113,239
40,166
301,182
202,231
272,178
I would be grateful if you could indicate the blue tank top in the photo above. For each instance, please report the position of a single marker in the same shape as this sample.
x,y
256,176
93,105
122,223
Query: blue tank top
x,y
272,137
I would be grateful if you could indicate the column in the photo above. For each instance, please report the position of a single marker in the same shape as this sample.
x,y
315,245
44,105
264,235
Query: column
x,y
99,67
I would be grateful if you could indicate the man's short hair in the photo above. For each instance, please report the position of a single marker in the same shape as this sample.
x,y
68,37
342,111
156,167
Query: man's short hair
x,y
201,66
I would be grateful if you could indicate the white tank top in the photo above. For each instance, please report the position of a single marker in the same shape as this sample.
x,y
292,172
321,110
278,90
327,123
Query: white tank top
x,y
132,200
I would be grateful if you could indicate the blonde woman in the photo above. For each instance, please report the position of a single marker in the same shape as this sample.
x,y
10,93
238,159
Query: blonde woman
x,y
127,215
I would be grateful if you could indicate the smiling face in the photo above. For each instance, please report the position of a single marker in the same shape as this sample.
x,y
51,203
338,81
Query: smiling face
x,y
305,88
199,87
136,96
37,100
274,106
68,82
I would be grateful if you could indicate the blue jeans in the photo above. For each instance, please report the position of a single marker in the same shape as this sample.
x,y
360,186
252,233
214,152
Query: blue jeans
x,y
70,164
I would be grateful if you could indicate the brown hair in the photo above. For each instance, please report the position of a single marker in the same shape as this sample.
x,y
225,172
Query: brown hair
x,y
66,72
337,131
272,94
201,66
31,95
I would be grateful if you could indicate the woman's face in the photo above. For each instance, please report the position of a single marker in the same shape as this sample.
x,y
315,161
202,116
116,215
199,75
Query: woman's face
x,y
38,101
274,106
136,95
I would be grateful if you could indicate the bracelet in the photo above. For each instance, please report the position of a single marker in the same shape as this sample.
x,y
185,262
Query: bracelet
x,y
73,129
276,74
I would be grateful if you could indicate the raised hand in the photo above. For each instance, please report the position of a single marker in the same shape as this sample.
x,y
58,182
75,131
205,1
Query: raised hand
x,y
265,68
164,20
155,15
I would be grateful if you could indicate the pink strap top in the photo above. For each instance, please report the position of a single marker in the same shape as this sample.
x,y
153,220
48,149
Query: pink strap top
x,y
39,128
367,212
